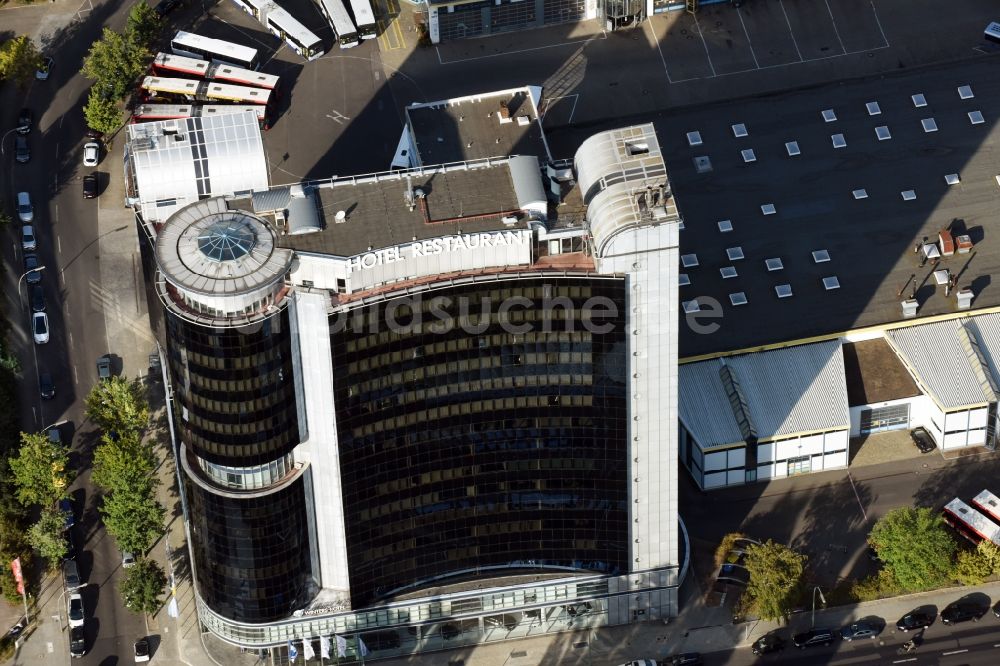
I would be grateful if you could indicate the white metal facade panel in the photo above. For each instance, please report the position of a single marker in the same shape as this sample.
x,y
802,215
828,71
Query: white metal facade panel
x,y
978,418
765,453
716,461
310,325
977,437
934,353
955,440
955,421
835,460
735,477
737,457
836,441
715,480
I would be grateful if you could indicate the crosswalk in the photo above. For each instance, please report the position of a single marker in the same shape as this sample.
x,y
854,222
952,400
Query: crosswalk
x,y
390,37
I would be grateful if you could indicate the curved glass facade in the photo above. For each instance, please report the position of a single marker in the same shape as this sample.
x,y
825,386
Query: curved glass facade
x,y
484,426
234,390
251,554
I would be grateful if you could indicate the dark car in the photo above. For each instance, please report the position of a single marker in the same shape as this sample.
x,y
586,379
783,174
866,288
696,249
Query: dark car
x,y
70,546
915,619
90,186
767,644
860,629
141,650
962,611
25,120
164,7
37,298
30,264
66,506
685,659
77,642
923,440
21,151
46,386
813,638
104,368
94,134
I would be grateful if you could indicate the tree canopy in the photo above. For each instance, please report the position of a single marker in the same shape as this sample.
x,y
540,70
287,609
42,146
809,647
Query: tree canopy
x,y
124,464
775,578
40,470
114,62
142,586
916,546
118,405
134,520
48,535
19,60
142,24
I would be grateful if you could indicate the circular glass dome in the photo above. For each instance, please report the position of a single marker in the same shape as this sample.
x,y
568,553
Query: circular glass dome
x,y
227,240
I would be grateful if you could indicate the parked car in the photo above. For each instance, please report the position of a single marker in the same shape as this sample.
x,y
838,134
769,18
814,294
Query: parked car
x,y
75,610
37,298
767,644
94,134
922,440
640,662
25,120
25,211
90,186
42,74
40,327
128,559
46,387
31,266
684,659
141,650
164,7
915,619
104,368
71,575
91,154
996,609
962,610
813,638
22,153
66,506
860,629
28,241
70,546
77,642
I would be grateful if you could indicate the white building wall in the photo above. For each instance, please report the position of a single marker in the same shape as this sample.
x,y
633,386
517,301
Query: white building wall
x,y
964,428
310,327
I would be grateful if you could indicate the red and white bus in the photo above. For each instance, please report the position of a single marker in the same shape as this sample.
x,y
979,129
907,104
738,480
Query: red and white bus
x,y
149,112
206,91
988,503
166,64
969,523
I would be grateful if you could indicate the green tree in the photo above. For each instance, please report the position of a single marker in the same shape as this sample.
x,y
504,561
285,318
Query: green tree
x,y
13,544
40,470
125,464
775,578
134,520
973,567
143,25
102,114
916,546
48,535
142,586
114,63
19,60
118,405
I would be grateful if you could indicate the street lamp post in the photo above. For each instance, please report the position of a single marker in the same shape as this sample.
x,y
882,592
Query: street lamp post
x,y
821,598
24,275
8,133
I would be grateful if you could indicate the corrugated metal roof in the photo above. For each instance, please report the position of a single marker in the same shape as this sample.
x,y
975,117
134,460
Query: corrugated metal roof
x,y
987,328
703,406
934,353
271,200
787,391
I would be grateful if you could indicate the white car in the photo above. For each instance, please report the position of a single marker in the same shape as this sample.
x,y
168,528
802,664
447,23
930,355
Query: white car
x,y
25,211
75,610
28,237
91,153
40,327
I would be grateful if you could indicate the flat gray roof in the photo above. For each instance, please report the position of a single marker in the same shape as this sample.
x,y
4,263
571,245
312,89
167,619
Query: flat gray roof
x,y
470,128
376,214
870,241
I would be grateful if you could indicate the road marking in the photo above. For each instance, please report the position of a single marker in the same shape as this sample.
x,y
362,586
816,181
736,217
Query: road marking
x,y
858,496
749,41
790,31
58,244
71,339
903,661
76,375
549,103
705,44
947,654
657,42
50,647
337,117
834,21
441,61
879,23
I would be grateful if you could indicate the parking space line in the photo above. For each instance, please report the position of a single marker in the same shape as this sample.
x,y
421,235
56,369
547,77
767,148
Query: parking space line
x,y
652,33
879,24
749,41
946,654
834,21
442,61
790,31
705,44
782,64
550,102
58,244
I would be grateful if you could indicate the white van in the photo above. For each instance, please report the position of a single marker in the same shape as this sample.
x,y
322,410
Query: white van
x,y
25,210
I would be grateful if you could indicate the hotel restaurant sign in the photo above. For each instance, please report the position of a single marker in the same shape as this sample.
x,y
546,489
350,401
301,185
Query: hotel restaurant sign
x,y
499,242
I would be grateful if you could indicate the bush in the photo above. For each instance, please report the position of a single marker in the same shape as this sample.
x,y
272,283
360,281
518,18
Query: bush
x,y
881,585
973,567
915,546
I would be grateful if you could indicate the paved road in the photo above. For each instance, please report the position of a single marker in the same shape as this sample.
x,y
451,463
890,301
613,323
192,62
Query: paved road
x,y
66,226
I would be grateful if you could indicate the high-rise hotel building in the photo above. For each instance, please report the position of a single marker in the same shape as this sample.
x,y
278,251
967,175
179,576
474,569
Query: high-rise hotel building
x,y
431,407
